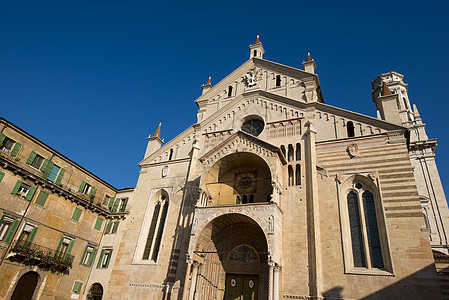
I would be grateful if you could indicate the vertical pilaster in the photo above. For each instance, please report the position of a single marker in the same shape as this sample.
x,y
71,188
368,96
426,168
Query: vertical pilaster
x,y
193,280
313,231
270,280
186,280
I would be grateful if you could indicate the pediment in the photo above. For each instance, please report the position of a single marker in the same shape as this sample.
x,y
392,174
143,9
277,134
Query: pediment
x,y
243,142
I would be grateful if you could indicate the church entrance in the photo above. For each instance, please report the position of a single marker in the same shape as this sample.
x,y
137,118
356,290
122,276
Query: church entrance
x,y
241,287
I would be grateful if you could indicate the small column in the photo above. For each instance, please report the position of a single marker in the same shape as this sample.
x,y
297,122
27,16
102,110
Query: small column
x,y
193,280
186,280
276,271
270,280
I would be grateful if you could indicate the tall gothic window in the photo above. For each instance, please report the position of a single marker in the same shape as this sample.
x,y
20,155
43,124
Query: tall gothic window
x,y
154,238
363,223
350,129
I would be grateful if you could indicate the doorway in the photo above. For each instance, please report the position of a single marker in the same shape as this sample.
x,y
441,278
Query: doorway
x,y
25,287
241,287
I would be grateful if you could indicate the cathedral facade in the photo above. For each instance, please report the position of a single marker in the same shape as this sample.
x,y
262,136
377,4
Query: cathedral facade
x,y
272,194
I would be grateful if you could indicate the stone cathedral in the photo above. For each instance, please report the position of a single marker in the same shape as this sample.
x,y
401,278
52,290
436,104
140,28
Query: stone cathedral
x,y
274,194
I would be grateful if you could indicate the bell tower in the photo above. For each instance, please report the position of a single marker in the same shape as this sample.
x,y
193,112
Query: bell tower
x,y
256,50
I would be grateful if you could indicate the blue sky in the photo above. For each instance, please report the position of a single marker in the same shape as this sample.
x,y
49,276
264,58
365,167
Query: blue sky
x,y
93,78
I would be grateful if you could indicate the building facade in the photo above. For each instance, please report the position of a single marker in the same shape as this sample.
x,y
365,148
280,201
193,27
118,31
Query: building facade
x,y
272,194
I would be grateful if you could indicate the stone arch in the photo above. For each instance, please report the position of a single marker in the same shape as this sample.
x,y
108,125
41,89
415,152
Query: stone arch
x,y
39,285
95,292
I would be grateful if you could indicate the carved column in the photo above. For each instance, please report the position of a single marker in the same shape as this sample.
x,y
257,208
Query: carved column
x,y
270,280
186,280
193,280
276,270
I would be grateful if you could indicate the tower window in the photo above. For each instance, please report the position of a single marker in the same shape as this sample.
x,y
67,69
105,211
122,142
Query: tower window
x,y
290,153
255,53
350,129
298,151
298,175
290,175
278,80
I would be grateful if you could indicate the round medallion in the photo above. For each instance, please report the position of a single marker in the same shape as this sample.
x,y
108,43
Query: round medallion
x,y
233,282
245,182
251,284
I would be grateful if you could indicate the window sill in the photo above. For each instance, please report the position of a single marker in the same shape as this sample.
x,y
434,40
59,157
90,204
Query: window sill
x,y
369,272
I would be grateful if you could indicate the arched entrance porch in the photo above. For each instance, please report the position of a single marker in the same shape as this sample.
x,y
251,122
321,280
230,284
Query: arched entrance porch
x,y
230,260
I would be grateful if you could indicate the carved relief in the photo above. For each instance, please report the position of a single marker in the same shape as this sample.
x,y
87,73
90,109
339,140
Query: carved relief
x,y
353,150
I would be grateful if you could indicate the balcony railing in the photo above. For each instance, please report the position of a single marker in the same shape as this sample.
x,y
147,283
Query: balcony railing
x,y
42,255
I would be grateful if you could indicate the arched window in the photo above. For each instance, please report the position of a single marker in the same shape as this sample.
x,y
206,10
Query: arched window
x,y
230,91
298,151
290,175
281,130
290,153
290,129
278,80
283,150
364,229
272,132
154,238
255,53
298,175
350,128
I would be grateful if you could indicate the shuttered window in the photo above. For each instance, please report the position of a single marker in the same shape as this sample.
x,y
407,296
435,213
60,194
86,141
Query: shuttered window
x,y
76,214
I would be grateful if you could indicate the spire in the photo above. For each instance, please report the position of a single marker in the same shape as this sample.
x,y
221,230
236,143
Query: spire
x,y
308,56
257,39
206,87
385,89
309,64
157,133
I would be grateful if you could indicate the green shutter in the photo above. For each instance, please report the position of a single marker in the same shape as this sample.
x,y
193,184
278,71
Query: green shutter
x,y
31,157
92,257
61,173
46,168
16,149
30,193
98,224
109,258
123,207
100,259
84,254
115,227
111,202
116,203
83,184
108,227
92,191
41,199
16,187
76,214
69,249
32,234
59,245
11,231
77,287
1,176
2,137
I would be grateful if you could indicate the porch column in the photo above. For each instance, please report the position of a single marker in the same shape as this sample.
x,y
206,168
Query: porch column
x,y
193,280
270,280
276,271
186,280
